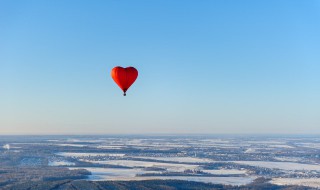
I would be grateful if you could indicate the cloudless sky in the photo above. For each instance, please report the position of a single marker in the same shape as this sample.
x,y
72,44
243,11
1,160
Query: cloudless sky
x,y
205,67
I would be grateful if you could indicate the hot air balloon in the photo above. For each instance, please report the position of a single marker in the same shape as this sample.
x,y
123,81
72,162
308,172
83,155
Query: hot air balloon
x,y
124,77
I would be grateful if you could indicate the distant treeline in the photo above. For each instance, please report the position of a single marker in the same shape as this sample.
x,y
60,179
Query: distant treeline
x,y
259,184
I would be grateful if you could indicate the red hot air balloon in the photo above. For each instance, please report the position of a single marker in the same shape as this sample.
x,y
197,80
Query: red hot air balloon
x,y
124,77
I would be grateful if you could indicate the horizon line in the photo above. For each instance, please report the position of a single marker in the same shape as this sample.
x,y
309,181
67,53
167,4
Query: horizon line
x,y
171,134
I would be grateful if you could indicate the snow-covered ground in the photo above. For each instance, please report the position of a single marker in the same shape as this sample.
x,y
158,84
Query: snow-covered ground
x,y
310,182
289,159
280,165
250,150
132,163
225,172
72,145
309,145
111,146
86,140
179,159
280,146
111,173
164,145
267,142
61,163
81,154
118,174
6,146
193,154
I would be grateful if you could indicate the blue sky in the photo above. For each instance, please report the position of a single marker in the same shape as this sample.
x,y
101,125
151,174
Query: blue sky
x,y
205,67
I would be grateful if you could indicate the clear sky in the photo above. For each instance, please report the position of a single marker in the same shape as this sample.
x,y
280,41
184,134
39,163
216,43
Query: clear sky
x,y
205,67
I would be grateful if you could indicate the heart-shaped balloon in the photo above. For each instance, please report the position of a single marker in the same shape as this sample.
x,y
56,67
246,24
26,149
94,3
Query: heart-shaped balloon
x,y
124,77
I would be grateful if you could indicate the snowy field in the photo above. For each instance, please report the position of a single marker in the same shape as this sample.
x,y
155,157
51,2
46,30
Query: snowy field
x,y
111,147
281,165
179,159
292,161
132,163
311,182
225,172
72,145
309,145
81,154
60,163
118,174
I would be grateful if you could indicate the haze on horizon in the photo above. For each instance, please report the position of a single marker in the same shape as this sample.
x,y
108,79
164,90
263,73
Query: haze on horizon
x,y
205,67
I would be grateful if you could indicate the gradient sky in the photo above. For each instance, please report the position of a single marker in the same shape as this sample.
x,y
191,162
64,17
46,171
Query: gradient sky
x,y
205,67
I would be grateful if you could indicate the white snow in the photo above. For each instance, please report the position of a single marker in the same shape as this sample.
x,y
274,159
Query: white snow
x,y
250,150
310,182
133,163
309,145
119,174
288,159
81,154
72,145
280,146
180,159
225,172
86,140
281,165
110,173
111,146
61,163
6,146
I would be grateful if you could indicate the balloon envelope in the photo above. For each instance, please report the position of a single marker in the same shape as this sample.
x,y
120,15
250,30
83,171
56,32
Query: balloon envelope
x,y
124,77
